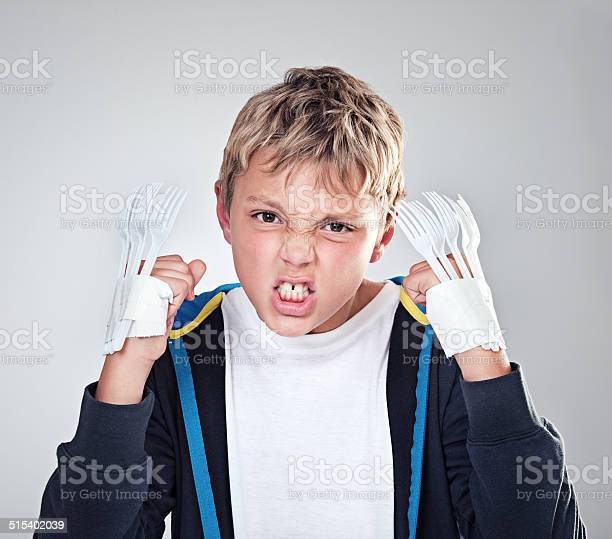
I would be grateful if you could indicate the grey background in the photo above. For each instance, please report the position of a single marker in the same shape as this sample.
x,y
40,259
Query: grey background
x,y
111,119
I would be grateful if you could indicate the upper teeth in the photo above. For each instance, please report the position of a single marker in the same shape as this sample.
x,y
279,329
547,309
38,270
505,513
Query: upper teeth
x,y
293,291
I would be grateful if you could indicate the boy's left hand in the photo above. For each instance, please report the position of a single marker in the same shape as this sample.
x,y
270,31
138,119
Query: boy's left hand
x,y
476,363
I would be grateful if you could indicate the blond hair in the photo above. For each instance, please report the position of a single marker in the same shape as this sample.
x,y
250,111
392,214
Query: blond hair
x,y
327,117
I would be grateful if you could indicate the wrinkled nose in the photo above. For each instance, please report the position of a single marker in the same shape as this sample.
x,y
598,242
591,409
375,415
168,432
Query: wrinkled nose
x,y
297,249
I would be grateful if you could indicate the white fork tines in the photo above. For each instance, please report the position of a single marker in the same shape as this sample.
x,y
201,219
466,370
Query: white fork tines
x,y
163,219
127,231
149,218
160,216
147,190
466,238
451,227
473,233
417,235
435,233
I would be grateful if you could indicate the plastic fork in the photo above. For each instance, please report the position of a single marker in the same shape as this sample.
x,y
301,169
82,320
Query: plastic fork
x,y
419,239
166,210
139,230
473,235
465,234
127,245
150,190
423,214
166,214
450,225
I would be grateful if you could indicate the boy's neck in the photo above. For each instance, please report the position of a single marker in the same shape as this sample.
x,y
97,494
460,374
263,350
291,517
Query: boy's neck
x,y
365,293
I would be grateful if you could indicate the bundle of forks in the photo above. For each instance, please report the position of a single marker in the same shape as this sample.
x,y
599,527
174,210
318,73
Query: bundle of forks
x,y
140,301
460,308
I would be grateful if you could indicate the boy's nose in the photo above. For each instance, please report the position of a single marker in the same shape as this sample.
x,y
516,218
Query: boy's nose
x,y
297,249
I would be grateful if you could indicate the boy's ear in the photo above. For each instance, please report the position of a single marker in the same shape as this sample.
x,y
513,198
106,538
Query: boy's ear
x,y
222,214
382,243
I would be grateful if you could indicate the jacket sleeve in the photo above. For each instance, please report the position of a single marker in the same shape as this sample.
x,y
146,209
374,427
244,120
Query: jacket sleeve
x,y
505,465
115,478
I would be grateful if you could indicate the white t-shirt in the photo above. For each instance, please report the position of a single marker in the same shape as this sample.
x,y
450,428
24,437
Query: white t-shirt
x,y
309,444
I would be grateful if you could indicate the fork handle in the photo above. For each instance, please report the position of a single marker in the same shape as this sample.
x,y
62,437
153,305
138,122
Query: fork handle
x,y
447,265
475,263
434,264
151,257
457,255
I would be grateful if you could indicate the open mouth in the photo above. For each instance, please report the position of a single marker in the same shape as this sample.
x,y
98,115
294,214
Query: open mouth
x,y
296,293
293,298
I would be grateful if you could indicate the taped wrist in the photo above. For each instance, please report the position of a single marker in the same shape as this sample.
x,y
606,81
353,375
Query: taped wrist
x,y
145,301
463,317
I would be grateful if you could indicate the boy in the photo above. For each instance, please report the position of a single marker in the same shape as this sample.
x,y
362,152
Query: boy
x,y
306,400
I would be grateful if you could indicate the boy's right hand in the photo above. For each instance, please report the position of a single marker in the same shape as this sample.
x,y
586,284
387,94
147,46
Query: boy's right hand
x,y
182,279
125,372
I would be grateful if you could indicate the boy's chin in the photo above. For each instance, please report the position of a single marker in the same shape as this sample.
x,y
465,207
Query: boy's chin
x,y
289,326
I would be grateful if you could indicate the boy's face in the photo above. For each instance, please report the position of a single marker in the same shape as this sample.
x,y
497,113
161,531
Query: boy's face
x,y
300,234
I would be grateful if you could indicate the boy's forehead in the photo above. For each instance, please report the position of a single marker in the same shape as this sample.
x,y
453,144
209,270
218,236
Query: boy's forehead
x,y
304,198
300,189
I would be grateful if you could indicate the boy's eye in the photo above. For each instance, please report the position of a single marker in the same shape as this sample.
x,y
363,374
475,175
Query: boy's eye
x,y
265,216
335,226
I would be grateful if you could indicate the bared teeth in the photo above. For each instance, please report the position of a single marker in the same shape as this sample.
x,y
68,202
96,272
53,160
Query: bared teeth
x,y
293,292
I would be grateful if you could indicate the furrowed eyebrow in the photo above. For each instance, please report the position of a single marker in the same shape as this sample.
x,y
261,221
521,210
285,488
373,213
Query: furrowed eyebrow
x,y
256,200
344,217
349,216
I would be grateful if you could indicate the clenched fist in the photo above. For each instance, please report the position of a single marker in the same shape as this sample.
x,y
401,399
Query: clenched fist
x,y
125,372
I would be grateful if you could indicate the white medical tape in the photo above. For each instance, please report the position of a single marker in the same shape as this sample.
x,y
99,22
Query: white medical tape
x,y
463,317
146,304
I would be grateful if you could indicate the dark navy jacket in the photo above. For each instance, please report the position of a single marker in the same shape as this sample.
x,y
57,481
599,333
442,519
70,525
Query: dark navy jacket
x,y
472,482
